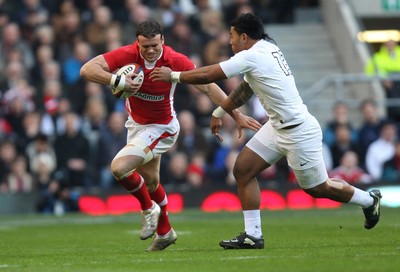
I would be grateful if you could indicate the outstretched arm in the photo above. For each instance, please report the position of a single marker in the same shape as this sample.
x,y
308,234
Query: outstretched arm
x,y
202,75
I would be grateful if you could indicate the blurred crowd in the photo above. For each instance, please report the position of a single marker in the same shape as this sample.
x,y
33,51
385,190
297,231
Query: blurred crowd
x,y
58,133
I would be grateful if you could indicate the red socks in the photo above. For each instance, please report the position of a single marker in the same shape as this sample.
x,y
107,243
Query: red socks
x,y
160,197
135,185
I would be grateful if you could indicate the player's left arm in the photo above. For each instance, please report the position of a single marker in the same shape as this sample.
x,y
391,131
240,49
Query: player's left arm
x,y
202,75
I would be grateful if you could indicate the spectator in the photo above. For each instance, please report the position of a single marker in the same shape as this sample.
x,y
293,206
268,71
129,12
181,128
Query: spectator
x,y
231,9
4,18
231,143
95,30
44,54
371,126
391,168
350,170
8,154
15,73
72,151
51,70
19,180
18,101
40,145
52,123
42,168
31,129
342,143
217,49
207,20
103,94
113,37
340,116
178,169
58,199
94,118
31,15
112,139
166,12
72,65
384,63
381,150
202,110
11,40
88,10
196,176
191,138
183,39
190,7
44,35
68,30
137,13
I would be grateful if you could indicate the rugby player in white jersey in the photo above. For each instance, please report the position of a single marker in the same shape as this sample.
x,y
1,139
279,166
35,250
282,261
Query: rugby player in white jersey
x,y
152,124
291,131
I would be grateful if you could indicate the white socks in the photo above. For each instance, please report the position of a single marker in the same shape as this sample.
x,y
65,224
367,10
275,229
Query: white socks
x,y
361,198
252,223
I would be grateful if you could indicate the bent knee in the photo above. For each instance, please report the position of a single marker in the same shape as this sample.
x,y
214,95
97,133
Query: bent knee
x,y
120,168
318,191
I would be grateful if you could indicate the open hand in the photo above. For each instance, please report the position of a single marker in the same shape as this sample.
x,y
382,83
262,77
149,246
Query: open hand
x,y
215,125
244,121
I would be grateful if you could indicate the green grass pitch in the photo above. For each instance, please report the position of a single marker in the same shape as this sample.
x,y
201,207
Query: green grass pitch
x,y
296,240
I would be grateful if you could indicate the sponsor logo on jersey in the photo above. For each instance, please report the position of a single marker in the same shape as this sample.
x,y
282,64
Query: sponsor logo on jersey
x,y
149,97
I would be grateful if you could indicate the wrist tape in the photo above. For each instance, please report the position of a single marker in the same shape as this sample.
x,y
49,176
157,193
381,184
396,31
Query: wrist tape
x,y
117,82
218,112
175,76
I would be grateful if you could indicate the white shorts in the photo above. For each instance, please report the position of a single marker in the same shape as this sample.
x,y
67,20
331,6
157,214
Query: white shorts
x,y
302,146
160,138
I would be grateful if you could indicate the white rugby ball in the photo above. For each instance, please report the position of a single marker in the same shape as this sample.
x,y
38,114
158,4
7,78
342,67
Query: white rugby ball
x,y
125,70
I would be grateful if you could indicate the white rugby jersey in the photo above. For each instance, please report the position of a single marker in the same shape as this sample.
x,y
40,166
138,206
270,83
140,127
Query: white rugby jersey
x,y
269,76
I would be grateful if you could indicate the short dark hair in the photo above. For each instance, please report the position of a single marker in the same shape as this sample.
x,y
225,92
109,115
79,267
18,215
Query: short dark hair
x,y
149,29
251,25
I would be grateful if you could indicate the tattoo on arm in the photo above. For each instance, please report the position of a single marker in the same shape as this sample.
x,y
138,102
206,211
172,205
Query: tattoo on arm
x,y
241,94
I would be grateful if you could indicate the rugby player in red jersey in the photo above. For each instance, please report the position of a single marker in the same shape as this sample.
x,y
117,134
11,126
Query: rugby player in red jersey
x,y
152,124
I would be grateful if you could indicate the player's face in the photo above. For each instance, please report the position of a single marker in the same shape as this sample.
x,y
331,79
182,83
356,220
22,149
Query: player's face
x,y
236,41
150,48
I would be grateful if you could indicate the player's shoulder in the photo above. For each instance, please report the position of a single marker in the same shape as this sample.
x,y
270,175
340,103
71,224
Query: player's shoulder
x,y
125,50
170,53
176,59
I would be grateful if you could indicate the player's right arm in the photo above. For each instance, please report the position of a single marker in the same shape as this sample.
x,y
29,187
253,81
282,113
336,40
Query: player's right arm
x,y
96,70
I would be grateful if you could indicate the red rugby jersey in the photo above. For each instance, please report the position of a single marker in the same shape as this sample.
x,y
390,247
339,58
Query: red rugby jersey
x,y
153,103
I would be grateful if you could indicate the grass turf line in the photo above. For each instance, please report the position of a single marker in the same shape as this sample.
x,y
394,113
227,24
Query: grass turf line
x,y
302,240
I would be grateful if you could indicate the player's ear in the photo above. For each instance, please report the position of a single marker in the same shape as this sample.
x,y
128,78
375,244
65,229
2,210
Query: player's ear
x,y
243,38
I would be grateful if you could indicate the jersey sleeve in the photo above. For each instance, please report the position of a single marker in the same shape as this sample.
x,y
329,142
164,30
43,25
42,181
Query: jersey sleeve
x,y
121,56
237,64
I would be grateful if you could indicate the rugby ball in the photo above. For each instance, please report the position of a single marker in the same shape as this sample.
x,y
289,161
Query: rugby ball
x,y
125,70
